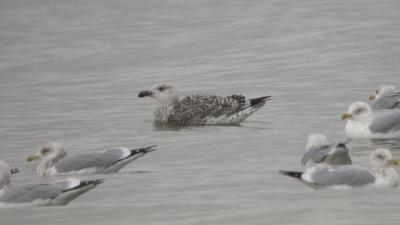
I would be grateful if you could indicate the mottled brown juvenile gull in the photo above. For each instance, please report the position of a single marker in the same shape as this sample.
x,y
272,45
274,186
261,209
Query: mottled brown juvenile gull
x,y
382,174
200,110
319,150
363,123
54,160
386,97
58,193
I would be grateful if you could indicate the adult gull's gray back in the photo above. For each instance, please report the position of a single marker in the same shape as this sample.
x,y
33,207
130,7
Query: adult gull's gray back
x,y
382,173
55,160
363,123
386,97
319,150
57,193
200,110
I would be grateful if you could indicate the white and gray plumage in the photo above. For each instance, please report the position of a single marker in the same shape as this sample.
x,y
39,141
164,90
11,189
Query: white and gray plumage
x,y
319,150
386,97
382,174
58,193
200,110
363,123
54,160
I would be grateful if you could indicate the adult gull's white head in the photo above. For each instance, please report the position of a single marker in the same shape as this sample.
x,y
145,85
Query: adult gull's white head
x,y
48,155
358,111
316,140
382,90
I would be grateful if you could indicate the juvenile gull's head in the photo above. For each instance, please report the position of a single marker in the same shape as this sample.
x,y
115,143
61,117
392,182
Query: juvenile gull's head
x,y
382,158
358,111
382,90
162,93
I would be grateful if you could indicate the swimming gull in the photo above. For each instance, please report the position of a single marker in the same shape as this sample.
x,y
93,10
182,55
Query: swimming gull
x,y
382,173
386,97
58,193
319,150
363,123
200,110
55,160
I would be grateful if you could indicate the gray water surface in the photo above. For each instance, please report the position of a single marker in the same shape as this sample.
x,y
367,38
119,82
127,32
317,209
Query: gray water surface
x,y
70,71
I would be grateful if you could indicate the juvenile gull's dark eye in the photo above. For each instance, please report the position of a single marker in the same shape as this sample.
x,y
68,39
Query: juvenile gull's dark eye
x,y
162,88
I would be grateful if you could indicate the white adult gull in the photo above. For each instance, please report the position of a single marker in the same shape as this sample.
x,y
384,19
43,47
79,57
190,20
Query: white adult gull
x,y
319,150
382,174
200,110
58,193
386,97
55,160
363,123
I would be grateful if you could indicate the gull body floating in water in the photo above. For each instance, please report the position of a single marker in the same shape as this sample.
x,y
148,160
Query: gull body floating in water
x,y
363,123
319,150
58,193
386,97
320,176
200,110
54,160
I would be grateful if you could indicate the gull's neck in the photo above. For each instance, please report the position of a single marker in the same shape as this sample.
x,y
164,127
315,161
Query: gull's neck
x,y
167,102
46,166
4,183
359,127
164,109
385,176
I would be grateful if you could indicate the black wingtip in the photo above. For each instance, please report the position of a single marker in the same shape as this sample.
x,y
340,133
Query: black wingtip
x,y
14,170
259,100
143,150
294,174
90,182
86,183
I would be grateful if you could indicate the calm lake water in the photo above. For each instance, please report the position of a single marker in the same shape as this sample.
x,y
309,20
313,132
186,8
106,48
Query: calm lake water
x,y
71,70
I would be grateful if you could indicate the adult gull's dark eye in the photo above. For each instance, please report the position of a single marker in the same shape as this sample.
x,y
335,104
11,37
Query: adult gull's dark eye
x,y
44,150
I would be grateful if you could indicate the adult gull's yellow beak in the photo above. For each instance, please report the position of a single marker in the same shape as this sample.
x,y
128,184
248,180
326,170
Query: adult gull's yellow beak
x,y
32,157
394,162
346,116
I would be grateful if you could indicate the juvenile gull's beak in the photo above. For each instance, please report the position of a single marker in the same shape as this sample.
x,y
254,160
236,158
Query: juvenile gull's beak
x,y
372,97
145,93
346,116
394,162
33,157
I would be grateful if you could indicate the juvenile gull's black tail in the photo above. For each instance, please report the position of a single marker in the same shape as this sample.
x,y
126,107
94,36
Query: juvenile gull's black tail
x,y
294,174
260,100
